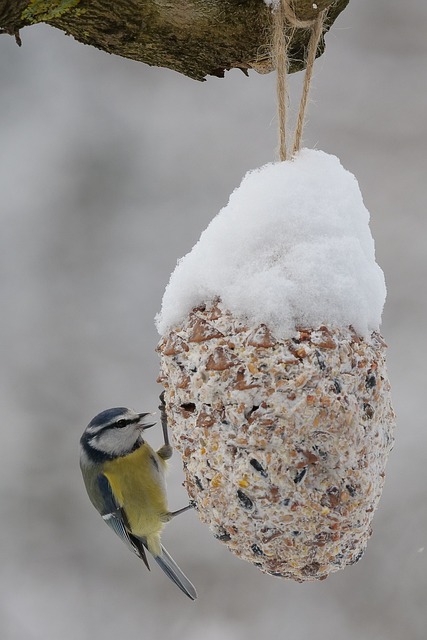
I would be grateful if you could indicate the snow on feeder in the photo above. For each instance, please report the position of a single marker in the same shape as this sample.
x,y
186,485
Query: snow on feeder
x,y
276,389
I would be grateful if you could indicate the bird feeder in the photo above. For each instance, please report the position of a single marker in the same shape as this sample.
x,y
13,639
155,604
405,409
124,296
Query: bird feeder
x,y
276,387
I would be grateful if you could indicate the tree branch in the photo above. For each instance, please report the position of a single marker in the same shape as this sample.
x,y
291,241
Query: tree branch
x,y
194,37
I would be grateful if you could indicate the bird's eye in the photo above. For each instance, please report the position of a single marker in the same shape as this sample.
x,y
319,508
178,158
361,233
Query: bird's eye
x,y
121,423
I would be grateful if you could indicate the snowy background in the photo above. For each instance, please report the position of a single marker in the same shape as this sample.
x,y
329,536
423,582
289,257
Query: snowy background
x,y
109,171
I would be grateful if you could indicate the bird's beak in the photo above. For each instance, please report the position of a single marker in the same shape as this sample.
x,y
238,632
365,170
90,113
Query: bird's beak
x,y
143,425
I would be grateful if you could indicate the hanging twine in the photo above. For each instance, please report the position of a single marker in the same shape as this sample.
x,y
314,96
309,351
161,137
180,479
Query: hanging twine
x,y
284,16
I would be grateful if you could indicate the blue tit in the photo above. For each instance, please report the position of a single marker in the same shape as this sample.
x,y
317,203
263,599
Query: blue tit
x,y
125,481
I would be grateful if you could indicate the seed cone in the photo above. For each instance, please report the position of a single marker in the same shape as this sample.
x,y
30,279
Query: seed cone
x,y
284,442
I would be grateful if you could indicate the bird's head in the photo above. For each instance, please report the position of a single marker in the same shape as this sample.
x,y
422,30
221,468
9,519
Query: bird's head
x,y
113,433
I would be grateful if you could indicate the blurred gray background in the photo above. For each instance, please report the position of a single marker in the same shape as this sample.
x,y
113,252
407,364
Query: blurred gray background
x,y
109,171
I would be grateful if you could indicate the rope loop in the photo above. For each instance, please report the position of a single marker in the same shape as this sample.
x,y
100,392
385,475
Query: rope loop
x,y
284,15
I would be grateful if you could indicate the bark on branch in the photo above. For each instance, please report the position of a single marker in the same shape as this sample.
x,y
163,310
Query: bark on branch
x,y
194,37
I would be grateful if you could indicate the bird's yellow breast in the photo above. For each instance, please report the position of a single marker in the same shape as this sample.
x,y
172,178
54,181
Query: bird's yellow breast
x,y
137,481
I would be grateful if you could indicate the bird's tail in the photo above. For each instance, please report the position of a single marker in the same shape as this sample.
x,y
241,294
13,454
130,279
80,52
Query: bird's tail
x,y
169,566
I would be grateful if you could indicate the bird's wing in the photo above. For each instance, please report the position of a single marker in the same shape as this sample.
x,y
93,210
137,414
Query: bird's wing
x,y
115,517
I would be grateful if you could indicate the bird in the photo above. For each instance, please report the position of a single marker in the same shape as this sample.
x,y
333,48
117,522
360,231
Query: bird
x,y
125,481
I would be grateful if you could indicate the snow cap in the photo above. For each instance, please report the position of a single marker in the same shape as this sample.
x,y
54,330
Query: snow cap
x,y
292,248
